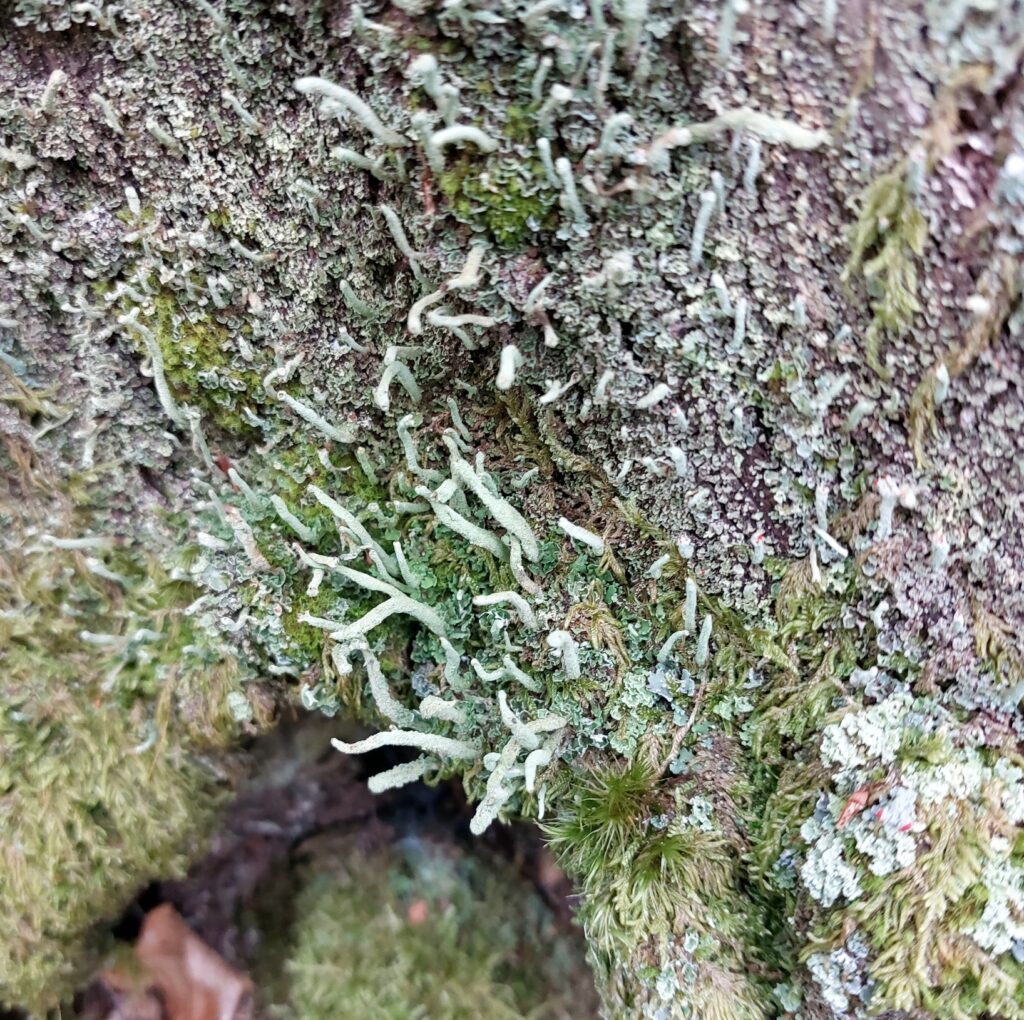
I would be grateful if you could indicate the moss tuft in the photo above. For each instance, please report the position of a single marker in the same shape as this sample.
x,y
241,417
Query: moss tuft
x,y
887,239
106,692
424,932
511,201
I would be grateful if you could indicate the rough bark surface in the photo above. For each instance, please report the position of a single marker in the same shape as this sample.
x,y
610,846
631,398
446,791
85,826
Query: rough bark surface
x,y
619,404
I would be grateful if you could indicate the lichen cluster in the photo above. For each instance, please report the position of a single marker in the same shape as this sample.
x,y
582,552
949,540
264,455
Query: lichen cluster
x,y
579,394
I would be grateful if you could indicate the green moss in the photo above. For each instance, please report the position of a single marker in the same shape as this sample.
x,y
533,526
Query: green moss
x,y
885,243
296,464
146,215
307,643
202,369
97,815
605,839
511,201
520,124
219,218
913,919
420,44
108,692
604,816
425,932
650,868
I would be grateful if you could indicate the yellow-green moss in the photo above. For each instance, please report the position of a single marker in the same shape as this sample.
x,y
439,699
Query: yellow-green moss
x,y
201,368
219,218
105,693
97,814
885,244
509,200
427,932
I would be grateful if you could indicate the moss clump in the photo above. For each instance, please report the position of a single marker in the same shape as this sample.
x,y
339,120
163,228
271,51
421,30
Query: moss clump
x,y
887,239
97,813
202,369
511,201
424,932
307,643
105,690
520,123
655,865
806,684
219,218
916,921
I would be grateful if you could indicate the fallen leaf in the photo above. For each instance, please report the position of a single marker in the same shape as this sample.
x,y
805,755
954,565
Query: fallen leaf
x,y
857,802
194,982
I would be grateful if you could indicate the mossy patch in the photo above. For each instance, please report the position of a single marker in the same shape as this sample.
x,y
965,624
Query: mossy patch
x,y
885,244
203,369
510,200
421,931
107,691
654,864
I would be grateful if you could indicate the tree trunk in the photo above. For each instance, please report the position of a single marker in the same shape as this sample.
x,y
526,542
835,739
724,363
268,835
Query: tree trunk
x,y
620,405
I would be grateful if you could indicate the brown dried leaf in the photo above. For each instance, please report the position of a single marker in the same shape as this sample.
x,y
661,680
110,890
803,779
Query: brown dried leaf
x,y
194,982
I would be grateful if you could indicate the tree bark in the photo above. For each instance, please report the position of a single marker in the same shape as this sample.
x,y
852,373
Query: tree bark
x,y
690,332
